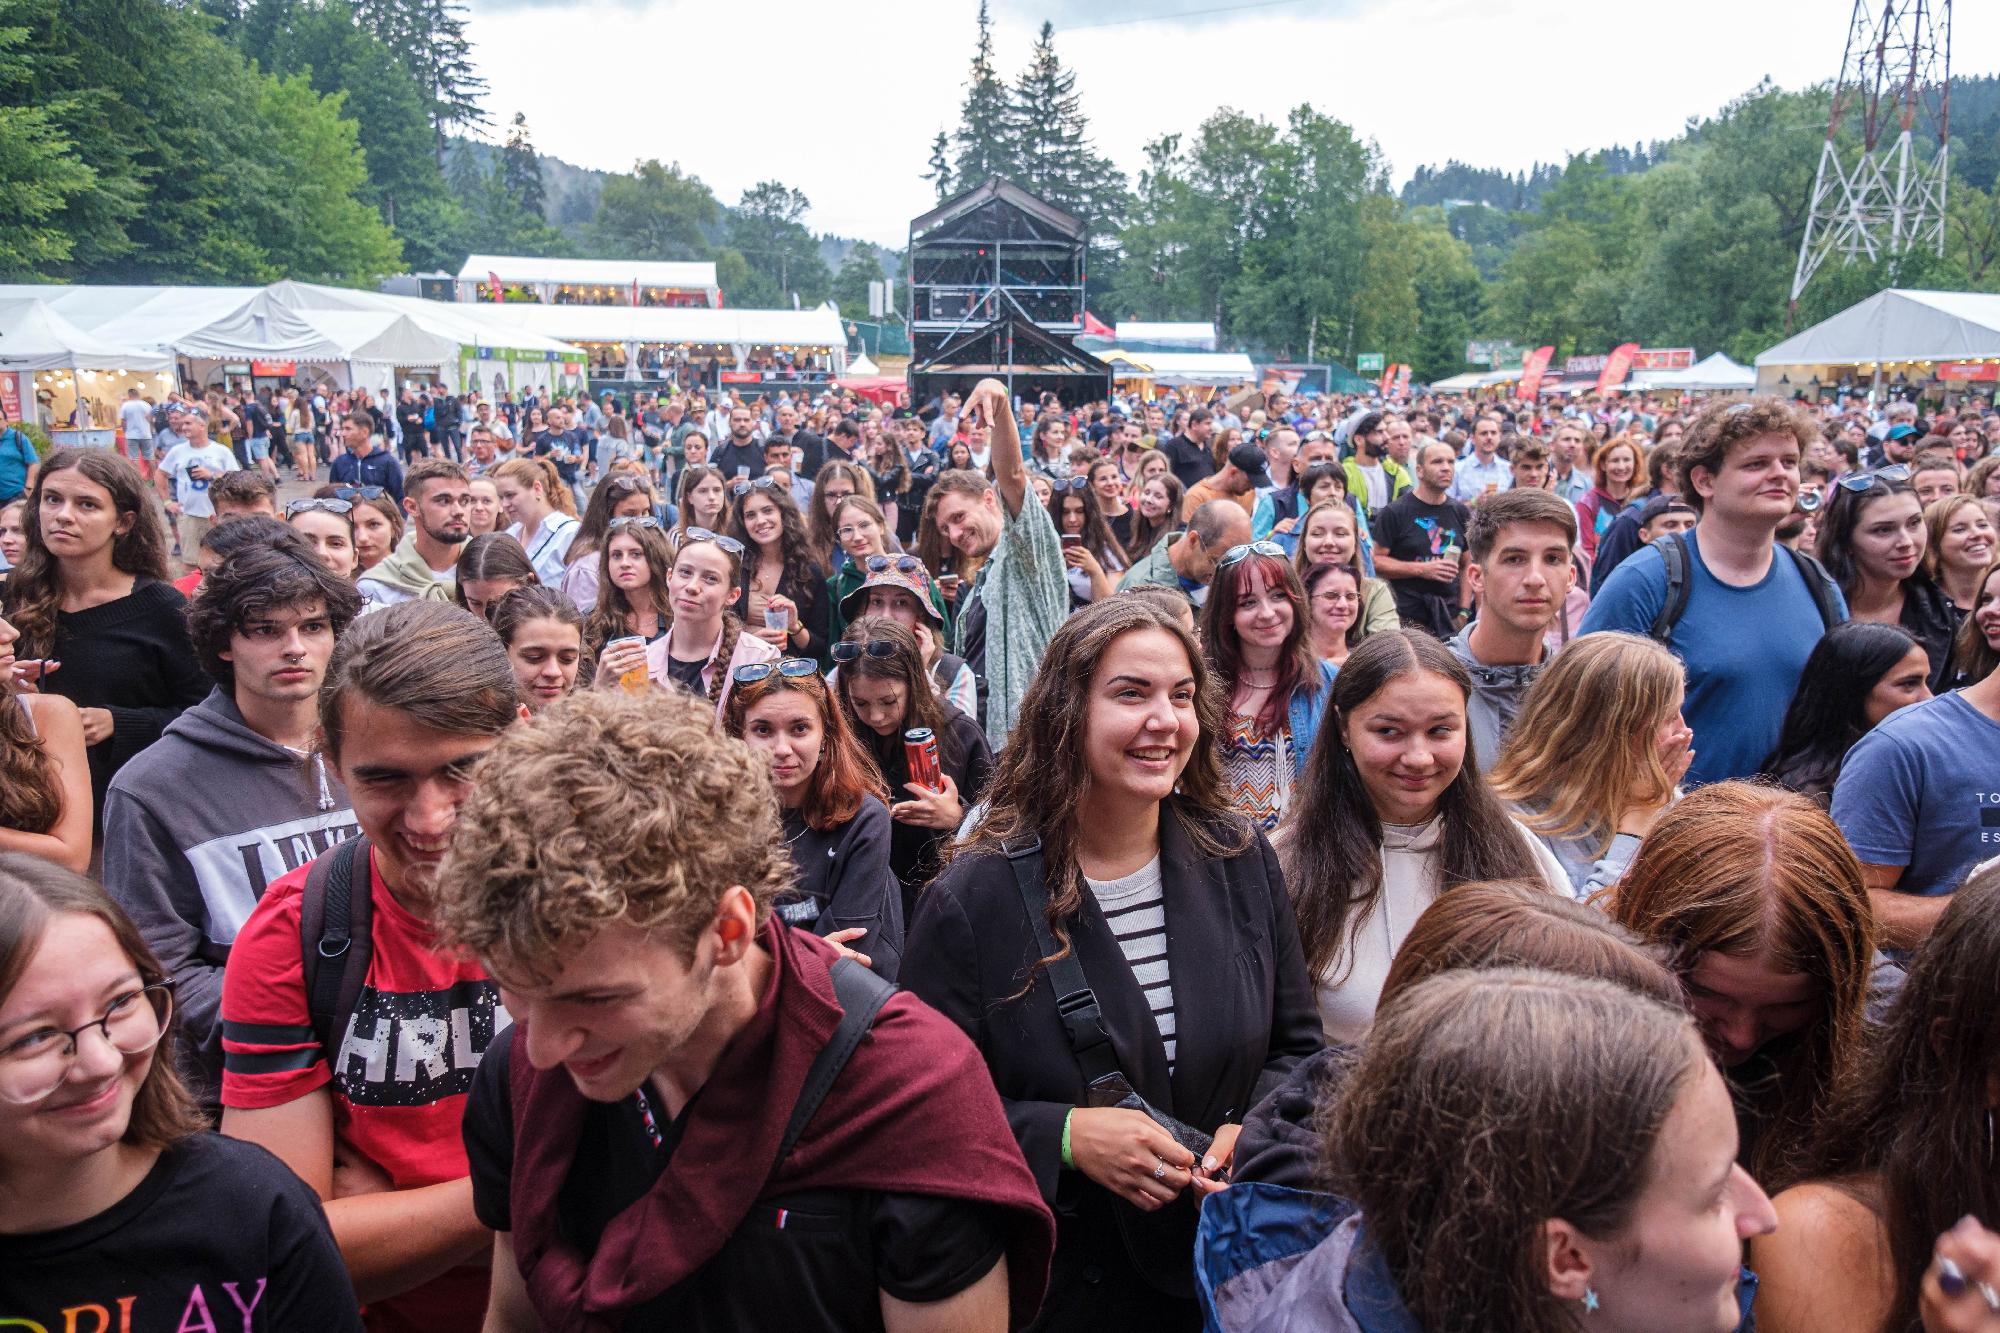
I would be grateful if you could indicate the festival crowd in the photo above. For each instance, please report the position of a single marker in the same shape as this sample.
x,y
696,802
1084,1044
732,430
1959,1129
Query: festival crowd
x,y
1251,864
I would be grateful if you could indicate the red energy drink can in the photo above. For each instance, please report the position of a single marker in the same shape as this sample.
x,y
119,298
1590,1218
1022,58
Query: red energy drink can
x,y
920,752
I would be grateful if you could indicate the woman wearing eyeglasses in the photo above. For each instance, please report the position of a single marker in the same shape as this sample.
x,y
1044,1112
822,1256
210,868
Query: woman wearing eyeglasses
x,y
862,529
1257,636
1872,540
886,690
620,495
705,641
831,800
781,589
103,1154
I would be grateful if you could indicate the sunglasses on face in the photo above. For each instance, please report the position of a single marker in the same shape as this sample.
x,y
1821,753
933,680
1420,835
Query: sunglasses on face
x,y
297,507
360,492
634,521
1861,481
728,544
1248,549
848,650
792,668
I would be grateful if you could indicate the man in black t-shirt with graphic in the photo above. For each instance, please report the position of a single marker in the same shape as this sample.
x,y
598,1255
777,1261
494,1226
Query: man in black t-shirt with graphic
x,y
1420,544
627,1135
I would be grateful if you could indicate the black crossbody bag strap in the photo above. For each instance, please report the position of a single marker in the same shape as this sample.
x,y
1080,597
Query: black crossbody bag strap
x,y
1076,1002
861,994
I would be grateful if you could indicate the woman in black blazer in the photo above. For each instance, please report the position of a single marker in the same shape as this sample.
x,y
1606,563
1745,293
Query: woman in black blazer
x,y
1177,913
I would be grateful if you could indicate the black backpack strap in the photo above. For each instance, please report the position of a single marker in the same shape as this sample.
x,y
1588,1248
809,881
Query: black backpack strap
x,y
1076,1002
1819,582
1674,556
861,994
336,942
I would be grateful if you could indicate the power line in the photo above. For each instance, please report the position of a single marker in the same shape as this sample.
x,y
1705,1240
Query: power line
x,y
1168,18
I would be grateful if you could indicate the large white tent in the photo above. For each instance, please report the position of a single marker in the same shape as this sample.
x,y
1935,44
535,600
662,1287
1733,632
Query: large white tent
x,y
1202,368
1715,373
613,277
1189,336
34,336
1898,327
67,378
819,328
153,318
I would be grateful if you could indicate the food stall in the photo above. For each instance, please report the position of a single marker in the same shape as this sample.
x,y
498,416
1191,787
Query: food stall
x,y
59,376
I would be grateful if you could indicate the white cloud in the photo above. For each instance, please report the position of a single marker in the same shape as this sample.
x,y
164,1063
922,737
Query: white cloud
x,y
842,101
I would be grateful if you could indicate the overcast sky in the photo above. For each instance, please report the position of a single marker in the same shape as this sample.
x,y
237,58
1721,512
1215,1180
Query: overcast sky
x,y
841,101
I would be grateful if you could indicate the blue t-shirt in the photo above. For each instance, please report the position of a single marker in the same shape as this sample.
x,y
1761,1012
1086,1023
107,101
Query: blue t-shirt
x,y
1923,790
1743,648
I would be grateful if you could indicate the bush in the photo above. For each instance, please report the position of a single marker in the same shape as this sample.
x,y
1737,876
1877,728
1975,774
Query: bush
x,y
38,436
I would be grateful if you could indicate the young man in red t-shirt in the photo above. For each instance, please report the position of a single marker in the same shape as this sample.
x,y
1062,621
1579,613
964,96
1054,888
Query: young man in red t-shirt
x,y
414,695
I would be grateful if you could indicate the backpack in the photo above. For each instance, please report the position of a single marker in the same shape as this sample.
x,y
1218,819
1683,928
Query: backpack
x,y
336,942
1825,593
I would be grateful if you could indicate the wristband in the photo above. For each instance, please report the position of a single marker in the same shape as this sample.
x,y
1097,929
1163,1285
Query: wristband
x,y
1067,1160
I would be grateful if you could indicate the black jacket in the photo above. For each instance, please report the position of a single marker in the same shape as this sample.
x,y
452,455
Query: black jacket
x,y
1242,998
844,880
1280,1142
1930,616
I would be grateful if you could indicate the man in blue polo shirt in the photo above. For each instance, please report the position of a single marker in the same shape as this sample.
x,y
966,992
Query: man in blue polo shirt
x,y
18,461
1751,618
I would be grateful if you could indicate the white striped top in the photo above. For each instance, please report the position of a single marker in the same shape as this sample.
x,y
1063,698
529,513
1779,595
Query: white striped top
x,y
1135,909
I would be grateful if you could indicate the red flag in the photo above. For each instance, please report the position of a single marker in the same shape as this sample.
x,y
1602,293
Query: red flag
x,y
1616,366
1096,327
1402,381
635,291
493,286
1388,376
1532,368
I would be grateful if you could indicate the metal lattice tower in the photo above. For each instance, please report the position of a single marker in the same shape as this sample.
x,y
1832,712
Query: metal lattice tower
x,y
1882,192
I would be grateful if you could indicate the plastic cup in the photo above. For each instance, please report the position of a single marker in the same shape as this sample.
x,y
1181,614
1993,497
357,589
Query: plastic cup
x,y
635,680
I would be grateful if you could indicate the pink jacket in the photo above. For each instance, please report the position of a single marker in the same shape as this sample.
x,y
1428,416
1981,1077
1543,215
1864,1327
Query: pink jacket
x,y
749,648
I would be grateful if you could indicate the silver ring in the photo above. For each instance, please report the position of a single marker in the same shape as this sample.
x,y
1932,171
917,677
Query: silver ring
x,y
1160,1173
1990,1296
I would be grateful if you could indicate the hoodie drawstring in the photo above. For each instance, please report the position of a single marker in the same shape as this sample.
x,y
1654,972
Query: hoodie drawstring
x,y
319,772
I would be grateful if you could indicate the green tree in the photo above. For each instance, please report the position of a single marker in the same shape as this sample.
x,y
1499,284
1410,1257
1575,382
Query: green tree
x,y
430,36
1052,156
310,223
984,139
741,284
654,213
521,167
861,266
938,170
38,159
765,226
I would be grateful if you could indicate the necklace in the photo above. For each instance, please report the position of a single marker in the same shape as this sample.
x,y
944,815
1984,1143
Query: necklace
x,y
1249,678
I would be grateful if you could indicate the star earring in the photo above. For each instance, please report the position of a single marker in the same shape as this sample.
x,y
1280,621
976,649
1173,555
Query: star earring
x,y
1590,1300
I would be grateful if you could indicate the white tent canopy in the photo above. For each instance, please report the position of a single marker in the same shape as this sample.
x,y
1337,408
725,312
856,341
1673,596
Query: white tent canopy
x,y
461,324
526,270
266,328
1222,368
147,317
1474,379
1714,374
33,336
1194,337
1895,325
818,328
861,365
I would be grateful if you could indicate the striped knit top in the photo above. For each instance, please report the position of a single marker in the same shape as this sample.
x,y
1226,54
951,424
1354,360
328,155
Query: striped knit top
x,y
1135,908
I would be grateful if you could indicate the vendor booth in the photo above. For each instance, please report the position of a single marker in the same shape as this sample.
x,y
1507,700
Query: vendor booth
x,y
1899,338
67,379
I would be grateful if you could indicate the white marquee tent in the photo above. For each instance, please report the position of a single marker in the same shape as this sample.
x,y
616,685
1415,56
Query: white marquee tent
x,y
1712,374
613,275
1897,326
34,336
1204,368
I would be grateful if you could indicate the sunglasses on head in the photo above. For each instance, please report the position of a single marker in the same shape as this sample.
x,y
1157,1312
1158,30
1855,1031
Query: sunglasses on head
x,y
902,564
360,492
1247,549
744,487
297,507
1071,484
792,668
729,544
633,521
1861,481
849,650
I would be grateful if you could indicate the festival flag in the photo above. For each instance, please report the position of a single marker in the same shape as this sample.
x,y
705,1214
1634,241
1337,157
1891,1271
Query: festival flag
x,y
635,291
493,286
1095,327
1533,367
1388,378
1616,366
1402,381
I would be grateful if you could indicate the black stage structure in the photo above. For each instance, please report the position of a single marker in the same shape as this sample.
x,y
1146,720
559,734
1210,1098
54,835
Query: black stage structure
x,y
997,289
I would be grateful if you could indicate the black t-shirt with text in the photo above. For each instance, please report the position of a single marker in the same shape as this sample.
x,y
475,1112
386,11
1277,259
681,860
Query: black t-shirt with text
x,y
1411,529
813,1260
218,1235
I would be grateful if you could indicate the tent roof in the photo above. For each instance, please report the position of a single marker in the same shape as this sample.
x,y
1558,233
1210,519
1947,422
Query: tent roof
x,y
820,327
984,210
619,273
1193,336
463,323
1475,379
148,317
1715,371
33,336
1186,367
1898,324
267,327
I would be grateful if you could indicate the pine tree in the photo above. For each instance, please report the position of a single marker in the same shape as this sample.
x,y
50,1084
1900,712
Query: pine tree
x,y
521,168
984,138
1052,152
430,37
939,174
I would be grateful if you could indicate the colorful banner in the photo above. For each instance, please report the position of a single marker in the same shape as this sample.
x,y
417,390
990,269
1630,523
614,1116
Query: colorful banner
x,y
1532,370
284,369
1388,377
1402,381
1663,358
1957,370
10,394
1616,366
493,286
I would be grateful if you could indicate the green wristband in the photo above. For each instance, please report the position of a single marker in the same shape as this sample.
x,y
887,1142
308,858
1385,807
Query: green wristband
x,y
1066,1159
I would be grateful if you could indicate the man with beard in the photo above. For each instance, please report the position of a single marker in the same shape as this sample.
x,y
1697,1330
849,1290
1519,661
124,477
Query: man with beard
x,y
1373,477
740,454
793,436
424,565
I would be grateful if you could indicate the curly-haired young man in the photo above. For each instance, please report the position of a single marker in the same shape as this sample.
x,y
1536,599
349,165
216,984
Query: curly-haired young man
x,y
1752,610
614,872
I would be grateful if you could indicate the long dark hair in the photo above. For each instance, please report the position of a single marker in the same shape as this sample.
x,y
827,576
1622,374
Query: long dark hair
x,y
490,556
921,705
1917,1116
30,797
844,774
1837,521
1972,658
1146,531
1097,535
1828,712
1298,666
34,588
607,620
595,526
801,567
1039,784
1332,838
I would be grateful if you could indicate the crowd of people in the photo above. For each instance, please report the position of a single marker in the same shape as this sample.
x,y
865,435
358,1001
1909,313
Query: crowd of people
x,y
1327,865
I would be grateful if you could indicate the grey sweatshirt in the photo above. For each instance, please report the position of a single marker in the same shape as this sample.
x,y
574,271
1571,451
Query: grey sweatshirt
x,y
1496,698
196,827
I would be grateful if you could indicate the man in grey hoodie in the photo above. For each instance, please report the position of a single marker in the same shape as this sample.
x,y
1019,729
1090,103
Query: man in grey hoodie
x,y
232,795
1520,569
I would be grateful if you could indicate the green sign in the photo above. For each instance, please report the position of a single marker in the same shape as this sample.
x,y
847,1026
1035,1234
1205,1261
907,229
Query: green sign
x,y
1368,363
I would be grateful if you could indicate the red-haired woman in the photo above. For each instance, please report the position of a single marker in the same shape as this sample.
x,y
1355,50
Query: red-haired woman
x,y
835,810
1257,637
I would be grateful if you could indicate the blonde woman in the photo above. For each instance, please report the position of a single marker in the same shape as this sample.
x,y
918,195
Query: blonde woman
x,y
299,426
1597,754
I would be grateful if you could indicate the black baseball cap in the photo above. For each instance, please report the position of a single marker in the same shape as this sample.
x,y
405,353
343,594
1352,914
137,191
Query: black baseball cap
x,y
1250,460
